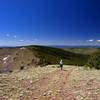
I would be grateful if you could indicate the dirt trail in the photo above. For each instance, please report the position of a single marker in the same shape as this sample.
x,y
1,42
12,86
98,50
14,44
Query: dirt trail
x,y
50,83
52,86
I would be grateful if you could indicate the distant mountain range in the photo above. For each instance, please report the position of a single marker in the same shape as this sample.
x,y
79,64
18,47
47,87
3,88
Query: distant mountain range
x,y
60,46
75,46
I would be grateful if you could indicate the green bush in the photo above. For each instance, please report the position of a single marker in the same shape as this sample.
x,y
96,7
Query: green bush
x,y
94,61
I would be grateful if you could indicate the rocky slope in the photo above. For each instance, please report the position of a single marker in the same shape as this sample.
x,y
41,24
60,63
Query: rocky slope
x,y
16,59
50,83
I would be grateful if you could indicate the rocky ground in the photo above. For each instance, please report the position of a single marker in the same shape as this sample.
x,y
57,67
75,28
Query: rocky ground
x,y
50,83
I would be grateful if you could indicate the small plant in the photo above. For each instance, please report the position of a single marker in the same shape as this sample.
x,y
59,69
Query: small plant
x,y
94,61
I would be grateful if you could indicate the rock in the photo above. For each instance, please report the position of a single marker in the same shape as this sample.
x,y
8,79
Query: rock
x,y
58,91
35,98
33,88
31,81
28,77
49,93
44,94
10,99
22,48
21,93
79,97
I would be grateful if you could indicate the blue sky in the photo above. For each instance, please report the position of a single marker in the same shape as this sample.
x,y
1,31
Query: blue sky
x,y
49,22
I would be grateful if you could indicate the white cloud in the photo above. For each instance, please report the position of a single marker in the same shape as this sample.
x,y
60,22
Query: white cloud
x,y
97,40
91,40
8,35
15,36
21,40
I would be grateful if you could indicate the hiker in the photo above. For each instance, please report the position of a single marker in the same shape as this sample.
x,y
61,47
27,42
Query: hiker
x,y
61,64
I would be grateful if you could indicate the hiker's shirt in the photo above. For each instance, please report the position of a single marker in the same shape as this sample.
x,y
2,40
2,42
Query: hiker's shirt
x,y
61,62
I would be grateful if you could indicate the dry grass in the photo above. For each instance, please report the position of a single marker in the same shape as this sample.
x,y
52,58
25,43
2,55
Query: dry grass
x,y
85,84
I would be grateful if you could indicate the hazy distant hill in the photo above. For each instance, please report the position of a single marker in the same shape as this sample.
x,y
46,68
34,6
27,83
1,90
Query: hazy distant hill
x,y
82,50
75,46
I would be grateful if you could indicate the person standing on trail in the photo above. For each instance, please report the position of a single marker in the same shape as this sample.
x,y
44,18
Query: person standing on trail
x,y
61,64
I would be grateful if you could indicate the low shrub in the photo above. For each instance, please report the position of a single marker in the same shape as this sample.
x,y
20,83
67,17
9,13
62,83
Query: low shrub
x,y
94,61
